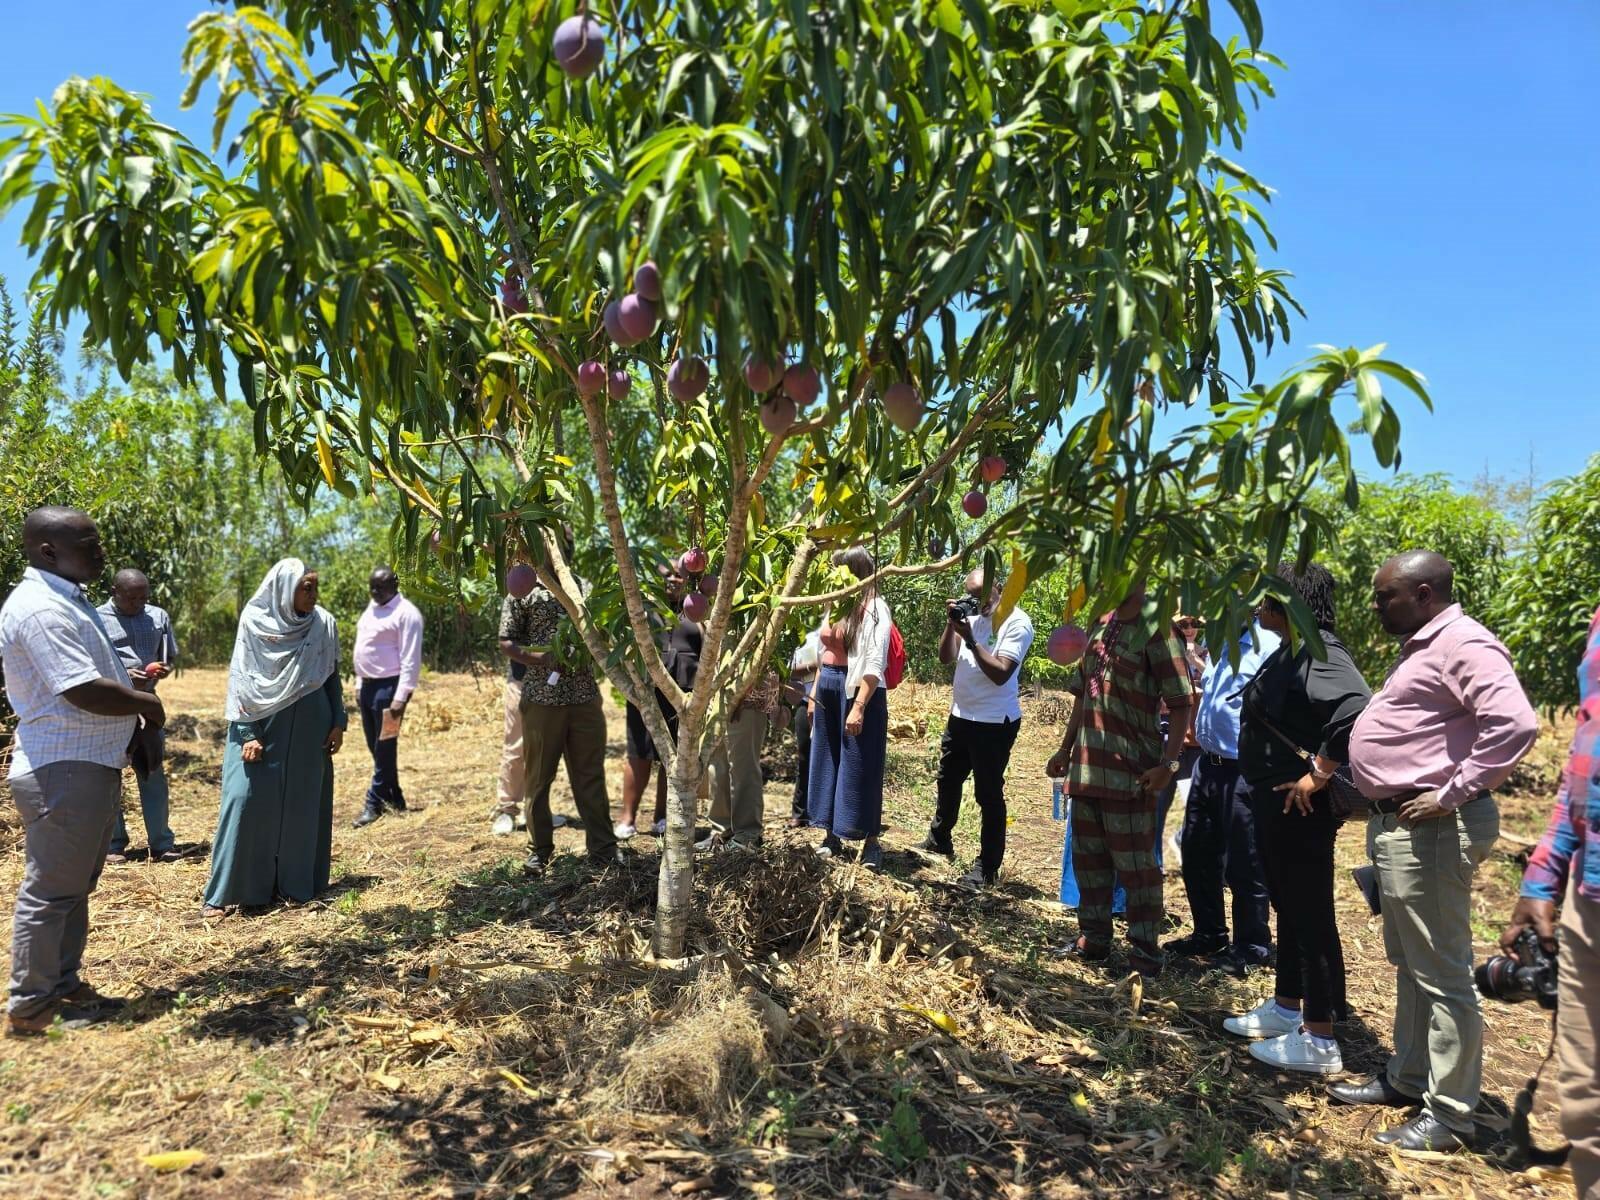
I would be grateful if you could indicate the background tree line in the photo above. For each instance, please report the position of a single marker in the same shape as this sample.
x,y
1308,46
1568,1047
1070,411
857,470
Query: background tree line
x,y
178,490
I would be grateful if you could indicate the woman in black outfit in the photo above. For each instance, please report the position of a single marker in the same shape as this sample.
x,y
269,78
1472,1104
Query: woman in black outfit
x,y
1294,732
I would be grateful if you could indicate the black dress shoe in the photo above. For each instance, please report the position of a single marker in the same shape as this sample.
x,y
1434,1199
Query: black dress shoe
x,y
1423,1132
1377,1090
932,845
369,814
1194,946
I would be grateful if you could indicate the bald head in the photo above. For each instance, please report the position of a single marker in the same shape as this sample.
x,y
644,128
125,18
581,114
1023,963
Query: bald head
x,y
64,542
974,588
1411,589
382,584
130,591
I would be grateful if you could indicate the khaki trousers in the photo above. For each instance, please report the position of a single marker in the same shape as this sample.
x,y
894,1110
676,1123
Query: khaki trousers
x,y
513,771
1425,876
577,734
1578,1038
737,797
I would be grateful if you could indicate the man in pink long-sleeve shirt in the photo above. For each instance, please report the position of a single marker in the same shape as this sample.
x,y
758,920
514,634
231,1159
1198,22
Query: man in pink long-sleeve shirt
x,y
388,662
1449,724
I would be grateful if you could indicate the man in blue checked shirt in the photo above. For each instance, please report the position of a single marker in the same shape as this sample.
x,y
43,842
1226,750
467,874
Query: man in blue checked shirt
x,y
141,634
1566,864
1219,837
76,713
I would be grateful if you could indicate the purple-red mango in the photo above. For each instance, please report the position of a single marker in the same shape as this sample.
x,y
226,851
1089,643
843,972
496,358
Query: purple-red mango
x,y
579,45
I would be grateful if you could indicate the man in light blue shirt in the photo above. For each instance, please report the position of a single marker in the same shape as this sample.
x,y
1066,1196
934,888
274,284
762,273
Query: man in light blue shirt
x,y
1219,837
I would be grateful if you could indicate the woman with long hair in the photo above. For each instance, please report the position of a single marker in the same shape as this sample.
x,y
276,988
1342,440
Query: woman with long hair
x,y
1294,733
286,719
849,716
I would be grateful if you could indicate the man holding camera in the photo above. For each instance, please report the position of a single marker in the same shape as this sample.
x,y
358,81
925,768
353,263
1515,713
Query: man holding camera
x,y
1567,864
985,716
1446,728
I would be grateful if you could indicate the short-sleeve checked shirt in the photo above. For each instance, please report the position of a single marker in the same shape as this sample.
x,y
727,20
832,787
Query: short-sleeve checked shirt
x,y
1570,848
534,621
140,640
1125,674
51,640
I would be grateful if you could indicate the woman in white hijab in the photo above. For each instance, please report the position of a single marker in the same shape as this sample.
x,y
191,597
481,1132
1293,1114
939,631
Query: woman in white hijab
x,y
286,719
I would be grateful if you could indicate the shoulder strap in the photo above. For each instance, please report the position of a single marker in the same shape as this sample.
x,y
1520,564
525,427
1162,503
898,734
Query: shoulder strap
x,y
1257,714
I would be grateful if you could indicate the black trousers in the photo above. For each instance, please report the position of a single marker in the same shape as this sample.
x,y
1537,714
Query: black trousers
x,y
374,697
802,760
1298,853
1220,847
983,750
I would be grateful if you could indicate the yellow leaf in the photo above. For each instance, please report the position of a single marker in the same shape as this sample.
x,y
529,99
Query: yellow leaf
x,y
1016,583
517,1081
1080,1101
1102,444
1119,509
389,1083
939,1020
173,1160
1075,601
325,459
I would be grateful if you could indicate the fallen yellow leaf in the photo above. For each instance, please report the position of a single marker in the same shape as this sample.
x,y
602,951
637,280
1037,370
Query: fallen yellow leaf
x,y
173,1160
939,1020
389,1083
517,1081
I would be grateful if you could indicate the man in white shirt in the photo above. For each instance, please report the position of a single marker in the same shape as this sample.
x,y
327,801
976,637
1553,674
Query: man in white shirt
x,y
76,713
985,716
388,662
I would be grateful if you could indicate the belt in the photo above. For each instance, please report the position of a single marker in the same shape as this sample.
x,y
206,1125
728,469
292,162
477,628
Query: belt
x,y
1218,760
1390,805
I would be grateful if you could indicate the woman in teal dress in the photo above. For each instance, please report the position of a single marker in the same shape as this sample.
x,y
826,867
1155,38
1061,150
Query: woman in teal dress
x,y
286,719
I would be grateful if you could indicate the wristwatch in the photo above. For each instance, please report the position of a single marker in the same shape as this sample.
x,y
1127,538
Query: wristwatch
x,y
1174,765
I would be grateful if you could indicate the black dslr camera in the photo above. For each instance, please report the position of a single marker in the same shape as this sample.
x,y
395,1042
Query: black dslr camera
x,y
967,607
1529,972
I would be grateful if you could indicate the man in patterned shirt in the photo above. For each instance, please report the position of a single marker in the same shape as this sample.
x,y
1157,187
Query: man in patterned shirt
x,y
1567,864
76,713
561,718
141,634
1117,767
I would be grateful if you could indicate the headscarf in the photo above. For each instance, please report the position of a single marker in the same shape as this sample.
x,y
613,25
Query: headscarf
x,y
280,655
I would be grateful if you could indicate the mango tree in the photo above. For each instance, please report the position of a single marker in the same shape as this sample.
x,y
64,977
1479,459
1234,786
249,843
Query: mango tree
x,y
789,271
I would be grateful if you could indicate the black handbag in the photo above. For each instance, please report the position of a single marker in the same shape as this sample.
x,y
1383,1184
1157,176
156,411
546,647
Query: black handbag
x,y
1345,800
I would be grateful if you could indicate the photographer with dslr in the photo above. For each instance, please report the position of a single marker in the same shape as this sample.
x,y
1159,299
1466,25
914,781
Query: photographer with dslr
x,y
1566,864
985,716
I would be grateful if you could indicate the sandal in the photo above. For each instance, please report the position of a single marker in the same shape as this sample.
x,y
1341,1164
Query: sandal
x,y
212,912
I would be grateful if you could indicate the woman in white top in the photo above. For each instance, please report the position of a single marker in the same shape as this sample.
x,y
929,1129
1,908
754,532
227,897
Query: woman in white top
x,y
850,721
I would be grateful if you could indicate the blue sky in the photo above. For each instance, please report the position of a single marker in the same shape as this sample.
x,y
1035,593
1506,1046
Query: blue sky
x,y
1437,171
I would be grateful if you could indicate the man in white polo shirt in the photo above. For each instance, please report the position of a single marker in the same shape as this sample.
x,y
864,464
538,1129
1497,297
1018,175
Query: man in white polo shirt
x,y
76,713
985,716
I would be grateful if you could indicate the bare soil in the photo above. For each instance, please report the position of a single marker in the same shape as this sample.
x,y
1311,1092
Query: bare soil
x,y
437,1026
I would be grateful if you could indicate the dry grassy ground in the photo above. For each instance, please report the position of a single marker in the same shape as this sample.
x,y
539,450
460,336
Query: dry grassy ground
x,y
437,1027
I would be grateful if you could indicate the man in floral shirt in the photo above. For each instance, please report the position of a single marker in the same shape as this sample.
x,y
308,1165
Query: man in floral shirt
x,y
1567,864
561,718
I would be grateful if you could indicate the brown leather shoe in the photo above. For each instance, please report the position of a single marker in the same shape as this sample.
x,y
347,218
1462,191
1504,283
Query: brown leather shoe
x,y
85,996
39,1023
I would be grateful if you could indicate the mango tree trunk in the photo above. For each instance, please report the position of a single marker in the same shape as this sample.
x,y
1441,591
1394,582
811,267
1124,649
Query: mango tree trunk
x,y
676,886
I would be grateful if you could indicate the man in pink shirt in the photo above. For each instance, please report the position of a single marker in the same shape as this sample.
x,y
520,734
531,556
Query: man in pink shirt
x,y
388,661
1447,727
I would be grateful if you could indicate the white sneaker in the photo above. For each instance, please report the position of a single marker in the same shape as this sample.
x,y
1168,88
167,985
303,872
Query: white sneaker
x,y
504,824
712,841
1298,1051
659,829
1265,1020
623,831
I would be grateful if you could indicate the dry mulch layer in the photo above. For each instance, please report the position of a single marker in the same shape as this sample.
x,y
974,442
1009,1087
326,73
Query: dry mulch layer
x,y
437,1025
